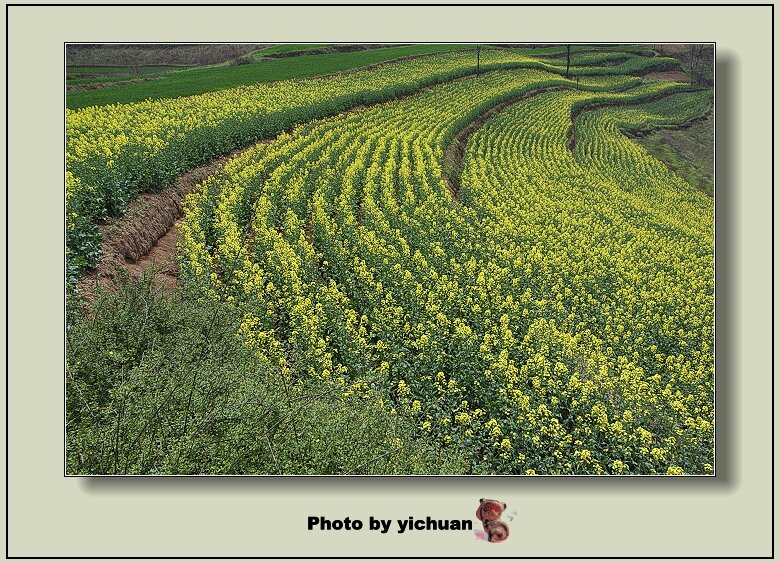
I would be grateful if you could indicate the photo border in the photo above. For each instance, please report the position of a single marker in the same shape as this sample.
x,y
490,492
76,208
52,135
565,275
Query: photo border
x,y
370,477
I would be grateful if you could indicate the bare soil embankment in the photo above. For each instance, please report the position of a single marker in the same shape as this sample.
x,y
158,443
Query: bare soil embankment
x,y
146,236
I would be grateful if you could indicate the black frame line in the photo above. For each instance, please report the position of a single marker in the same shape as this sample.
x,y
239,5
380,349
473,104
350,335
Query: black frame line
x,y
6,281
773,279
390,558
384,5
7,12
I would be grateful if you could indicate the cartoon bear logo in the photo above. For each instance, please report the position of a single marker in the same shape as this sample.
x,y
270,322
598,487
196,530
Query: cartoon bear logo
x,y
489,512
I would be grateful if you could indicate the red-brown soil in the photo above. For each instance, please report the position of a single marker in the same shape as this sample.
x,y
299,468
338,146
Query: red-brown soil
x,y
671,75
146,235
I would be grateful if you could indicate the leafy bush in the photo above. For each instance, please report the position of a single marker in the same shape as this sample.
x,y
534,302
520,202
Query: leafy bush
x,y
246,59
162,385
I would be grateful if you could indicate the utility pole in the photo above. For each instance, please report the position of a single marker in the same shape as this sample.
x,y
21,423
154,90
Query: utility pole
x,y
568,59
691,63
478,48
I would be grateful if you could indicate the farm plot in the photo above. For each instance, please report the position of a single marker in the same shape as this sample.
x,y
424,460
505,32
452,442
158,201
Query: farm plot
x,y
616,255
539,303
116,151
508,323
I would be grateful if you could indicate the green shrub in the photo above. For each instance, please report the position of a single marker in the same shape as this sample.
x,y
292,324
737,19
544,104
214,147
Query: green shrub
x,y
161,385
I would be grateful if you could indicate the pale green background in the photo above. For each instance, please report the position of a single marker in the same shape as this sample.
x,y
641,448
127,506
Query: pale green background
x,y
51,515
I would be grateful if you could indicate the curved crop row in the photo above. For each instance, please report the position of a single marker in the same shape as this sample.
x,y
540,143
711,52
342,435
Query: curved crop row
x,y
560,50
607,63
622,344
501,323
603,151
114,152
591,59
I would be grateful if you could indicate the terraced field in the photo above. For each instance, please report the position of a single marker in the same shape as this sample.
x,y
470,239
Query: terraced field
x,y
533,297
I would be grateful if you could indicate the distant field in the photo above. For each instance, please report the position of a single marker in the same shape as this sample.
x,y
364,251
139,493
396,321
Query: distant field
x,y
201,80
561,49
104,76
187,54
78,75
77,71
276,49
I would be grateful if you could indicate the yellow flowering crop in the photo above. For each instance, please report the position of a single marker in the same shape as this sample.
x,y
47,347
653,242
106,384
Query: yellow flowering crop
x,y
556,305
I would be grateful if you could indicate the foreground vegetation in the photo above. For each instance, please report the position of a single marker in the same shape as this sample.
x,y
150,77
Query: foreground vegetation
x,y
159,386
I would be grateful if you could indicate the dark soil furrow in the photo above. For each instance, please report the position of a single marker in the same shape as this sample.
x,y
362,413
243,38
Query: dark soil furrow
x,y
145,236
456,149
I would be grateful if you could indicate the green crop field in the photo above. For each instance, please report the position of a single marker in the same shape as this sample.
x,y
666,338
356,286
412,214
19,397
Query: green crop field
x,y
208,79
421,269
288,48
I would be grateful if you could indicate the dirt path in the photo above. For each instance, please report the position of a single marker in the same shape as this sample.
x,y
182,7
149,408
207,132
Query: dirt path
x,y
99,85
670,75
146,235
